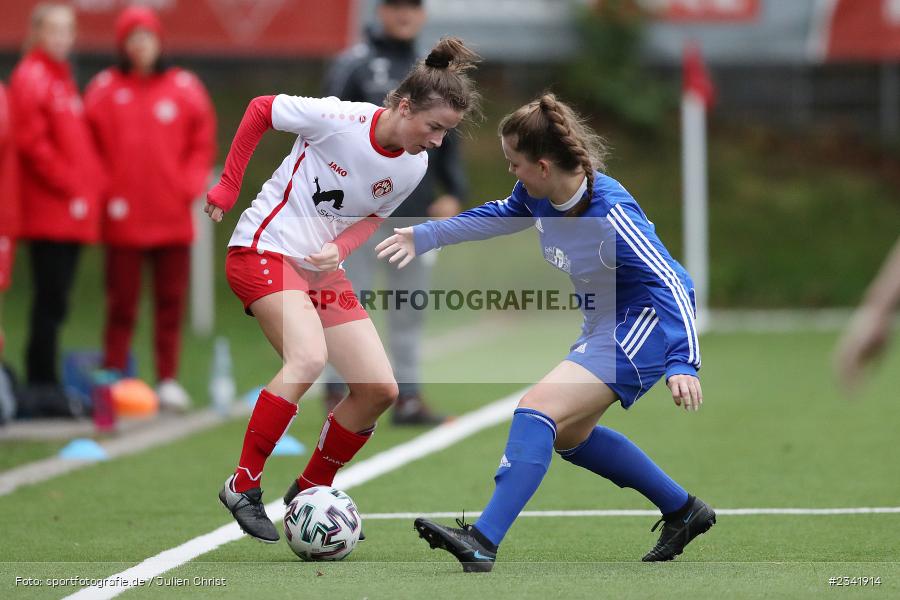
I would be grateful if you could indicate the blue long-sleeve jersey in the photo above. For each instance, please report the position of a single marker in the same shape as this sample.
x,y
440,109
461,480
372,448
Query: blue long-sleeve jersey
x,y
612,245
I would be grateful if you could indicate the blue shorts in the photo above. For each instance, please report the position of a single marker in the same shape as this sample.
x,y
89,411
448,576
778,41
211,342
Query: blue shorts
x,y
632,361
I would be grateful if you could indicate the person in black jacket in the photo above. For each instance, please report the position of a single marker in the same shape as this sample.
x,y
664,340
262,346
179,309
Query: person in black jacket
x,y
366,73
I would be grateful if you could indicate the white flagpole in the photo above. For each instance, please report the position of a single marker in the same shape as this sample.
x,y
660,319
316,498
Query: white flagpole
x,y
694,213
203,298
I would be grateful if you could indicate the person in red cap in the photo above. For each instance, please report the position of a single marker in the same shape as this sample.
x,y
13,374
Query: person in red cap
x,y
61,181
155,127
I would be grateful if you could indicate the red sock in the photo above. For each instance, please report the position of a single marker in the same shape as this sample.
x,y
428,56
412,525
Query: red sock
x,y
271,417
336,447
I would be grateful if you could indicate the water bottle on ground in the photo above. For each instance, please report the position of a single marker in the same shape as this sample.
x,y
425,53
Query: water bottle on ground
x,y
221,381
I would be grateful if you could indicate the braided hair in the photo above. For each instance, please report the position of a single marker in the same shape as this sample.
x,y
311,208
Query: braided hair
x,y
549,128
441,78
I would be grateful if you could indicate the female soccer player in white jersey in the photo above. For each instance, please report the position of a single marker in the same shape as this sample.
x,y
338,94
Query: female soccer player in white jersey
x,y
351,166
646,332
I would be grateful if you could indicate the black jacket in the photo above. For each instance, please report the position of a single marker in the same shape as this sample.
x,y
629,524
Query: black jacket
x,y
366,73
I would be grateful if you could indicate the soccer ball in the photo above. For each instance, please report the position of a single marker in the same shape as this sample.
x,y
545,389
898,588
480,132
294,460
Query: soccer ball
x,y
322,523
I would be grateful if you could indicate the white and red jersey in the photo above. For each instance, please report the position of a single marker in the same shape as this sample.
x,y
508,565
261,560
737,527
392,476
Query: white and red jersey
x,y
335,176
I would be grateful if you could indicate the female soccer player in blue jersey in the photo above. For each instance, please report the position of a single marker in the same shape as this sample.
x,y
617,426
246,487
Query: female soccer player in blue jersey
x,y
648,331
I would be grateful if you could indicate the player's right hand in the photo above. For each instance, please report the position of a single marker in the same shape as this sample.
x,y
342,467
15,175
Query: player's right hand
x,y
215,213
399,247
686,391
220,198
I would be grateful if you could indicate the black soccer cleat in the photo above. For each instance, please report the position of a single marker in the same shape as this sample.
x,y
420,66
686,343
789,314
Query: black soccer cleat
x,y
461,543
678,531
248,510
291,492
411,409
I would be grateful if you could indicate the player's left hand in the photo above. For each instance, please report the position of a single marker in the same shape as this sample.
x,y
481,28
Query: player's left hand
x,y
326,259
686,391
864,341
400,247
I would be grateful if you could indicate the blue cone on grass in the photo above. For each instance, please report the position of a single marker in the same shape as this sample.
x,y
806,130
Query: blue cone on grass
x,y
288,445
83,449
252,396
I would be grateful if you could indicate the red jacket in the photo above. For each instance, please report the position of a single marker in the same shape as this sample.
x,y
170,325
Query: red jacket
x,y
9,172
60,174
156,137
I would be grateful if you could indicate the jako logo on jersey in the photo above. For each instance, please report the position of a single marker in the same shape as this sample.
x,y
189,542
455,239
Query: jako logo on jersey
x,y
539,226
582,348
336,196
338,169
382,188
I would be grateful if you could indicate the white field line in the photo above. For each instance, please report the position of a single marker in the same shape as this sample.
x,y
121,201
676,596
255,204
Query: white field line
x,y
647,513
430,442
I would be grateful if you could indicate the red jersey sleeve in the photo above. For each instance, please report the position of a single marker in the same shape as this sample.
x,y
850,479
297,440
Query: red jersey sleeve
x,y
257,120
355,236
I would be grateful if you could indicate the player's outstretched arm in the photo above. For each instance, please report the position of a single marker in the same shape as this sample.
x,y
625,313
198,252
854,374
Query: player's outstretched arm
x,y
400,247
257,120
869,331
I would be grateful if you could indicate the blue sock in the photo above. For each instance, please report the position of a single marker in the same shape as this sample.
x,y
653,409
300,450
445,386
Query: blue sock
x,y
524,463
612,455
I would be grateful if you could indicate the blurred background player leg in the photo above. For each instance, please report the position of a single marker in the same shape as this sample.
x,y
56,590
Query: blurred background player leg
x,y
171,273
361,268
8,401
53,267
404,332
406,326
123,288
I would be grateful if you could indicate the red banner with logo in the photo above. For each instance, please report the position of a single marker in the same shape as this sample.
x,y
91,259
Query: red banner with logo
x,y
702,10
210,27
864,30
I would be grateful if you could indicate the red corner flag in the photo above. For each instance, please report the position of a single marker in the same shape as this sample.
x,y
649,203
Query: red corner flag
x,y
696,77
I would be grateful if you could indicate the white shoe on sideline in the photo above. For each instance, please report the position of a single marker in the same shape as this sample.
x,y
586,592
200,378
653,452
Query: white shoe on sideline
x,y
172,396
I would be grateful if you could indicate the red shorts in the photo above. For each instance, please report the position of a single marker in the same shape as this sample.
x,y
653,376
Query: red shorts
x,y
253,274
7,258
